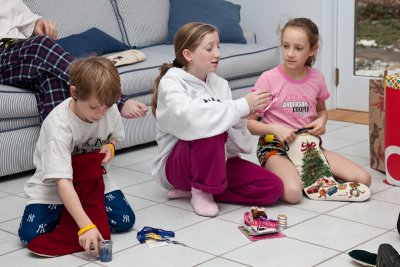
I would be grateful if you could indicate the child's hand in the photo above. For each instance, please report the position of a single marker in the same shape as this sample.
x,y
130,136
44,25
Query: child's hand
x,y
317,127
284,134
106,149
257,100
133,109
91,236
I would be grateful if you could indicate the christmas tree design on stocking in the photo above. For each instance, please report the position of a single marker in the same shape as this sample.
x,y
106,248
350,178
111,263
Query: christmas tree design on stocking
x,y
318,182
89,185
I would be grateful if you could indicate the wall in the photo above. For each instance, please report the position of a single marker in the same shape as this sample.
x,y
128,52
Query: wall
x,y
265,17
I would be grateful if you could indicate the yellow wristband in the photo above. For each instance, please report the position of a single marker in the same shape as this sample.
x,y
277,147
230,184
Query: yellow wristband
x,y
86,228
111,146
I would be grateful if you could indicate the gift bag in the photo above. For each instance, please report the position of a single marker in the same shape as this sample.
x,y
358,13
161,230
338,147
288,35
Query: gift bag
x,y
377,124
392,129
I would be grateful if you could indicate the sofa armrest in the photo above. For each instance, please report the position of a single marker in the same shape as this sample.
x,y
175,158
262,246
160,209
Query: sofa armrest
x,y
250,36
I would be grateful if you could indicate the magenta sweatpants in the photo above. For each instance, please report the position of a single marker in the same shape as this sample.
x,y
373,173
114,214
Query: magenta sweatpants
x,y
202,164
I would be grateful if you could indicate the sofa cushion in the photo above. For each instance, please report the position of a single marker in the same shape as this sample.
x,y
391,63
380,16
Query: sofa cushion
x,y
17,103
222,14
74,16
91,42
237,62
144,22
18,147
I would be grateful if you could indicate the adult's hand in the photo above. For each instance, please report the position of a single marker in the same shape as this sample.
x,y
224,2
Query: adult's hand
x,y
46,27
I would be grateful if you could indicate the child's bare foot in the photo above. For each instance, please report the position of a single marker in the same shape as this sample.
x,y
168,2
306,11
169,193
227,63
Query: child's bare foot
x,y
133,109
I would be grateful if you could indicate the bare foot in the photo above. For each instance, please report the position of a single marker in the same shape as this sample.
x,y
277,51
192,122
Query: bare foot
x,y
133,109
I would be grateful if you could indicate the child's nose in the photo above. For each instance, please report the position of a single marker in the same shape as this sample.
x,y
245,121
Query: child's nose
x,y
101,112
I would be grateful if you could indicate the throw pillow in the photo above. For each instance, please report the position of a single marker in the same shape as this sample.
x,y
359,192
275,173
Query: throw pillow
x,y
91,42
220,13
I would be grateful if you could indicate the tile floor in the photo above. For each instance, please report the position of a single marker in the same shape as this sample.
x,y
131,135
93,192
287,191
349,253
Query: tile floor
x,y
319,233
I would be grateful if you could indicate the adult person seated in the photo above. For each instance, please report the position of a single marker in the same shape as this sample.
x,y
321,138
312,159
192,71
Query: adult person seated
x,y
30,59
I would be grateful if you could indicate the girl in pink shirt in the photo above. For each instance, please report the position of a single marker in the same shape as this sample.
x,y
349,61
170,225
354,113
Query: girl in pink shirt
x,y
298,93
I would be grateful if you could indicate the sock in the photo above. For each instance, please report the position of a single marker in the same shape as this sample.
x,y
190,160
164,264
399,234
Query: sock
x,y
203,203
176,193
318,182
89,185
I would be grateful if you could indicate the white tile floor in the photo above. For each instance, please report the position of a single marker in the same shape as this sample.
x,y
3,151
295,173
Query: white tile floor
x,y
319,233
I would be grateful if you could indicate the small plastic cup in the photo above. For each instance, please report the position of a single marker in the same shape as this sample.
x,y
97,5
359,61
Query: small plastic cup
x,y
105,248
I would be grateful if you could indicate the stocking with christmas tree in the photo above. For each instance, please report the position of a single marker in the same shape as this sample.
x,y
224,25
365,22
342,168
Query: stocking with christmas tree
x,y
89,185
318,182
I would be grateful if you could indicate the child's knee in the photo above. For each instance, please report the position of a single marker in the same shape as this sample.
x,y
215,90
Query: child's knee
x,y
123,222
293,193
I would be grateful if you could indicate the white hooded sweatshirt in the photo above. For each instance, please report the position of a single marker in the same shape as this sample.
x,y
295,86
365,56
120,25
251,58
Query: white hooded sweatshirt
x,y
190,109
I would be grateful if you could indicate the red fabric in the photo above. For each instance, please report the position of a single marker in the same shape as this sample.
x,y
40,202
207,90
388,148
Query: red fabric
x,y
89,185
392,141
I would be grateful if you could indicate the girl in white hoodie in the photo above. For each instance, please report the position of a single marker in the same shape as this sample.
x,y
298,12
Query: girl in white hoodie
x,y
201,130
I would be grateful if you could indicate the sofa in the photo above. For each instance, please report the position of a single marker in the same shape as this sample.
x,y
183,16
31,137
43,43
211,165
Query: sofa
x,y
141,24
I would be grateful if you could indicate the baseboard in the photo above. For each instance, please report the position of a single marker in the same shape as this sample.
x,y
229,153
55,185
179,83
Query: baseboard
x,y
348,116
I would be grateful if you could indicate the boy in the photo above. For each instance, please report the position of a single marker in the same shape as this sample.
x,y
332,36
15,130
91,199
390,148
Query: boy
x,y
88,121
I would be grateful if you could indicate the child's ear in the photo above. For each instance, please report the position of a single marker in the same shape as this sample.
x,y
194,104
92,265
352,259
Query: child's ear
x,y
187,55
314,50
72,90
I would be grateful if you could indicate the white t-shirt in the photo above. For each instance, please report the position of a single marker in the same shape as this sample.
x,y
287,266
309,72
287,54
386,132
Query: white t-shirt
x,y
64,134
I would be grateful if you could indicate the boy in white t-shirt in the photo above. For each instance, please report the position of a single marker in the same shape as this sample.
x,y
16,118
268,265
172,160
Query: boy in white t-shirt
x,y
81,129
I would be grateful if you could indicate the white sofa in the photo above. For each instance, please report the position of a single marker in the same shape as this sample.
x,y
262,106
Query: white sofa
x,y
142,24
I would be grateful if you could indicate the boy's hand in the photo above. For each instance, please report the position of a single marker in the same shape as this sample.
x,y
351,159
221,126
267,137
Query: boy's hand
x,y
91,236
133,109
318,127
106,149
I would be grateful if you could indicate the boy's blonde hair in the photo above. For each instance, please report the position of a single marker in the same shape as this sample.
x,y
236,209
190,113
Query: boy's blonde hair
x,y
95,76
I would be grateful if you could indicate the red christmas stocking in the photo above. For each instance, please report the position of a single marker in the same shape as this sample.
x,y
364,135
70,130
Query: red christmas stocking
x,y
89,185
318,182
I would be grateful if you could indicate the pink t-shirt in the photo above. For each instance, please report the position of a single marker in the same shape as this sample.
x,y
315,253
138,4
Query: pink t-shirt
x,y
296,101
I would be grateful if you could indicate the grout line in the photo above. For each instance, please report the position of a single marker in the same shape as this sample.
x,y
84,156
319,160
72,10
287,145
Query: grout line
x,y
330,258
370,225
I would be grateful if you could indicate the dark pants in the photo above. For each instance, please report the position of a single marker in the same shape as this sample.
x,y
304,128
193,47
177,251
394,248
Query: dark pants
x,y
40,65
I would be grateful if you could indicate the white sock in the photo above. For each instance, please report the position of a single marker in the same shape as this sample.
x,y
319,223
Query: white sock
x,y
176,193
203,203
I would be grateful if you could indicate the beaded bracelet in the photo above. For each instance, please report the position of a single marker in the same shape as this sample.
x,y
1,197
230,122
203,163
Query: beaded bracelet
x,y
86,228
111,146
